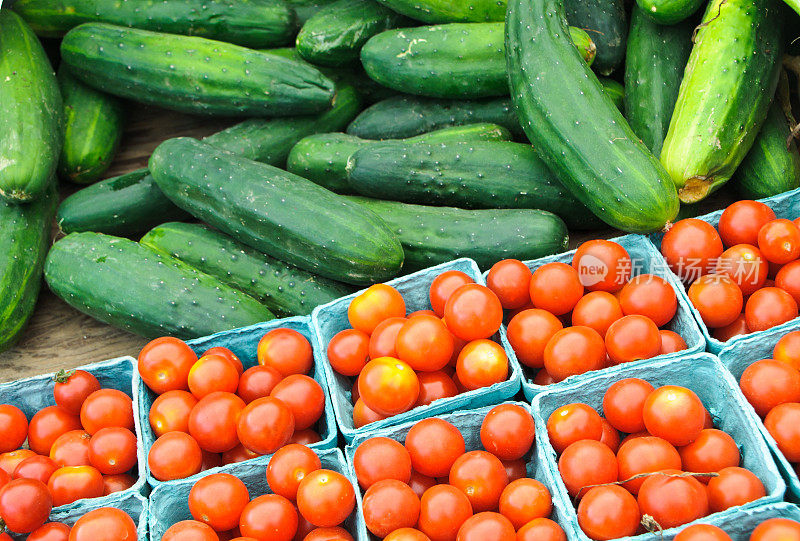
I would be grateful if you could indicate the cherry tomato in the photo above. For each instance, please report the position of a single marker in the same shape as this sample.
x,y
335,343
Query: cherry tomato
x,y
363,415
218,500
13,428
421,313
776,529
383,341
585,463
71,449
610,436
767,383
473,312
10,460
734,486
608,512
779,241
739,326
327,534
623,403
376,303
348,351
104,524
170,411
443,509
240,453
190,529
304,397
325,498
52,531
524,500
266,424
632,338
175,455
269,517
745,265
105,408
72,483
443,286
507,432
164,364
288,467
788,279
434,386
481,476
702,532
645,455
541,529
388,386
305,437
36,467
691,248
117,483
72,387
213,373
649,295
510,280
529,332
672,500
47,425
257,382
573,351
287,351
675,414
481,363
434,445
787,350
602,265
486,525
718,299
213,421
741,222
25,505
113,450
381,458
420,483
389,505
407,534
768,307
671,342
425,343
598,310
556,287
712,451
571,423
543,378
783,424
228,354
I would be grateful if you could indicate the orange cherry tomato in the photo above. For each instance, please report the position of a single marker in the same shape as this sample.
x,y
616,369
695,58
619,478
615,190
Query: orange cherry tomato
x,y
672,501
632,338
671,342
13,428
106,408
733,486
348,351
287,351
691,248
218,500
304,397
72,483
651,296
443,509
72,387
389,505
510,280
645,455
524,500
598,310
325,498
602,265
741,221
388,386
702,532
213,373
375,304
425,343
739,326
434,445
420,483
610,436
745,265
486,525
585,463
507,432
407,534
556,287
481,476
473,312
175,455
269,517
71,449
574,350
434,386
783,424
767,383
327,534
776,529
571,423
265,425
228,354
104,524
718,299
768,307
305,437
112,450
787,350
481,363
52,531
788,279
47,425
240,453
164,364
381,458
675,414
383,341
529,332
190,529
170,411
779,241
443,286
363,415
10,460
213,421
623,404
117,483
608,512
541,529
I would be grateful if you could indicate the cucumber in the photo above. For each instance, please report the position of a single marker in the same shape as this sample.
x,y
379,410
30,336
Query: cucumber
x,y
773,165
654,66
24,241
575,127
31,114
93,123
278,213
668,12
322,158
305,9
615,91
133,203
193,75
471,175
724,96
458,60
450,11
250,23
406,116
606,22
335,34
285,290
433,235
794,4
130,286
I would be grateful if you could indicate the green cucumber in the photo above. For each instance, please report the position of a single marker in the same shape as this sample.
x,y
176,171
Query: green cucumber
x,y
471,175
575,127
450,11
322,158
794,4
335,34
305,9
669,12
433,235
93,123
278,213
133,203
654,65
724,96
130,286
284,289
406,116
606,22
458,60
250,23
773,164
31,114
24,241
191,74
615,91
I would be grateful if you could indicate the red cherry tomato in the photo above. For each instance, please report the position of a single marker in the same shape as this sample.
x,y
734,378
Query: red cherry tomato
x,y
228,354
602,265
443,286
672,501
733,486
691,248
585,463
213,421
524,500
407,534
541,529
304,397
632,338
175,455
434,386
608,512
433,446
767,383
117,483
787,350
326,534
739,326
718,299
389,505
383,341
425,343
13,428
10,460
443,509
72,483
675,414
788,279
510,280
776,529
288,467
481,363
106,408
25,505
651,296
363,415
348,351
507,432
388,386
783,424
598,310
104,524
473,312
72,387
529,332
71,449
623,404
325,498
702,532
257,382
170,411
287,351
671,342
113,450
376,303
164,364
779,241
741,222
265,425
574,350
212,373
269,517
556,287
381,458
52,531
36,467
190,529
610,436
481,476
486,525
420,483
768,307
644,455
745,265
47,425
571,423
218,500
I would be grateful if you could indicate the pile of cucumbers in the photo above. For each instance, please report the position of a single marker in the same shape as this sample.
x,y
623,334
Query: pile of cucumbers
x,y
367,138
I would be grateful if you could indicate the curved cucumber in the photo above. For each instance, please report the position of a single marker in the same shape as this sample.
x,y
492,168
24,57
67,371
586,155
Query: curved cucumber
x,y
668,12
773,165
129,286
305,9
606,23
433,235
93,123
284,289
725,95
654,67
450,11
24,241
406,116
278,213
575,127
615,91
322,158
459,60
31,114
205,76
250,23
336,33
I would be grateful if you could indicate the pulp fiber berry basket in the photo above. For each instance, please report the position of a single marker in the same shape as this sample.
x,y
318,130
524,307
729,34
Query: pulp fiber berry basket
x,y
35,393
736,357
742,524
785,205
169,502
468,422
645,259
331,318
243,342
707,377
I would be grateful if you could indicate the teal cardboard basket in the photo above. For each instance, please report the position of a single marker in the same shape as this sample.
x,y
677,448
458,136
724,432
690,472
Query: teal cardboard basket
x,y
35,393
737,356
785,205
740,525
469,424
169,502
707,377
331,318
244,342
